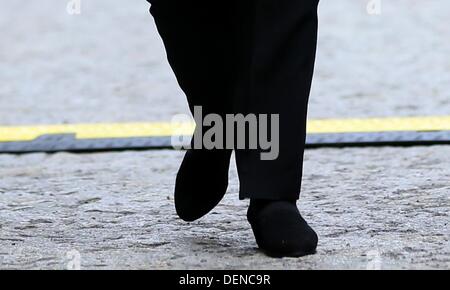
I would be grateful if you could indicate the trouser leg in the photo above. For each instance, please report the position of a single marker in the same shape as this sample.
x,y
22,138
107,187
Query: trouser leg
x,y
199,49
247,56
198,43
282,52
280,45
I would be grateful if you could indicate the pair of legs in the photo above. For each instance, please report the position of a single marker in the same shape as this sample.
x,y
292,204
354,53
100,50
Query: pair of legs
x,y
247,57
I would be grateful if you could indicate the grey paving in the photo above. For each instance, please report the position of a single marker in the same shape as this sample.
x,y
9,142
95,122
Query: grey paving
x,y
107,64
116,210
372,207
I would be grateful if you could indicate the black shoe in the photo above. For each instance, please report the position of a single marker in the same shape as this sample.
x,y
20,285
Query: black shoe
x,y
202,181
280,230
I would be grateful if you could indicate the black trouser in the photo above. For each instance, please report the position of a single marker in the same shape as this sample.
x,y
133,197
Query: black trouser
x,y
247,56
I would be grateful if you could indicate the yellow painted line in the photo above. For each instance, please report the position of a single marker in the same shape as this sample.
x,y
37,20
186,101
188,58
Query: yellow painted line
x,y
419,124
165,129
94,131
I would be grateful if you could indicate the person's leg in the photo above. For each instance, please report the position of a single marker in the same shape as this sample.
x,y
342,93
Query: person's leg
x,y
252,56
279,43
198,43
281,54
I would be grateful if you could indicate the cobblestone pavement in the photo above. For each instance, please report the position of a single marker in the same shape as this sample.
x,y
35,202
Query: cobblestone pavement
x,y
372,207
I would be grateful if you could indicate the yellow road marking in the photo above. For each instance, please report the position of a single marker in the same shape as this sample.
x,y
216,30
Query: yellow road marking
x,y
419,124
164,129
